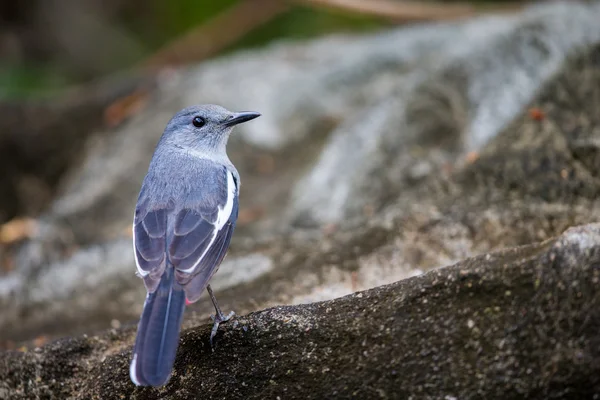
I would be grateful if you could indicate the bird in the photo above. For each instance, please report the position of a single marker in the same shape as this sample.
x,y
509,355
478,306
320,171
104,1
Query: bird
x,y
184,219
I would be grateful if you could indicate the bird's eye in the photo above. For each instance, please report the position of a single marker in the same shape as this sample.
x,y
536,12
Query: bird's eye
x,y
198,122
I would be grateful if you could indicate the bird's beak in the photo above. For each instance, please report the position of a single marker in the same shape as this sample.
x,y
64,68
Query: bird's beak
x,y
240,117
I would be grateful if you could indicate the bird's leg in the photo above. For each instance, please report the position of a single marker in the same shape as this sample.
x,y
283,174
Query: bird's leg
x,y
219,316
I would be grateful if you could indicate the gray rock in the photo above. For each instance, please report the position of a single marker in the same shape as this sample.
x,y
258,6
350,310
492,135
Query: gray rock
x,y
518,323
367,179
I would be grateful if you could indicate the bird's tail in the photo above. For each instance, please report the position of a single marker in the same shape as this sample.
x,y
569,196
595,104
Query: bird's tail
x,y
158,333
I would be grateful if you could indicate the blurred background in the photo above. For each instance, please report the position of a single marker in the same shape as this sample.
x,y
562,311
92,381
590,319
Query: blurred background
x,y
57,46
49,45
52,44
362,101
396,137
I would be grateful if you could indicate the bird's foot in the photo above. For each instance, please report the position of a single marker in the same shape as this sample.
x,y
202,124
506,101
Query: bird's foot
x,y
218,318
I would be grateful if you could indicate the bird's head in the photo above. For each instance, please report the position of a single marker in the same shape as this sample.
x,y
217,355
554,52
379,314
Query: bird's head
x,y
204,128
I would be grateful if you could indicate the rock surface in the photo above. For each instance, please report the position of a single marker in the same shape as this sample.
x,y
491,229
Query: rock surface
x,y
519,323
377,158
355,134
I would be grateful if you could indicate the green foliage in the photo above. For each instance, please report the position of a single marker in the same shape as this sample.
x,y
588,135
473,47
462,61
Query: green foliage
x,y
302,22
24,80
172,19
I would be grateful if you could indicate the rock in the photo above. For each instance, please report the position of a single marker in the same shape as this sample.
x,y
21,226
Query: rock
x,y
388,156
518,323
373,167
450,104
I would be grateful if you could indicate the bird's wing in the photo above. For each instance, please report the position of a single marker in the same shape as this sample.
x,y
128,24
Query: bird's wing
x,y
192,236
201,234
149,241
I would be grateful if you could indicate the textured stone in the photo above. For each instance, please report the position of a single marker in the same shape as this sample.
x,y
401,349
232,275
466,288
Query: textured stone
x,y
424,146
519,323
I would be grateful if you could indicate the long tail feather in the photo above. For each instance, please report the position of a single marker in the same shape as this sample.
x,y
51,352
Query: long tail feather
x,y
158,333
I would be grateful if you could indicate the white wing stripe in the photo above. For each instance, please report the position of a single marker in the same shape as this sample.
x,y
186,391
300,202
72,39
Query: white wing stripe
x,y
222,217
225,212
141,272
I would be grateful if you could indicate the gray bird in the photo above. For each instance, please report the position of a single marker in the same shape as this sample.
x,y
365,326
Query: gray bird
x,y
184,218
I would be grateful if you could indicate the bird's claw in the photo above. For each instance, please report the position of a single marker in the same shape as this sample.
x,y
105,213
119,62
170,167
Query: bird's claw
x,y
218,319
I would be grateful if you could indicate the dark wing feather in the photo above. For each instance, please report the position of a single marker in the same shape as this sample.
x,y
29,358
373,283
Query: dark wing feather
x,y
186,221
150,239
190,238
209,264
155,223
149,242
149,248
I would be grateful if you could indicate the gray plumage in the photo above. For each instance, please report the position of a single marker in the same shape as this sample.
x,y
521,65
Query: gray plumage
x,y
184,219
